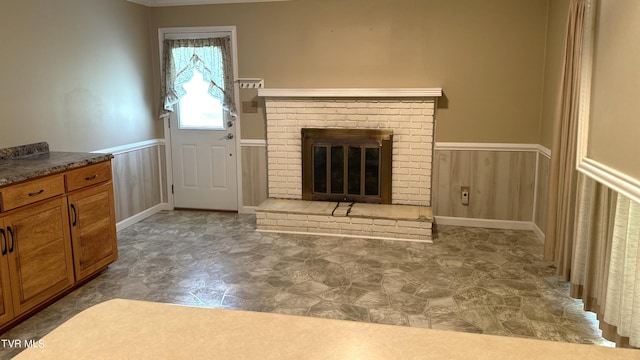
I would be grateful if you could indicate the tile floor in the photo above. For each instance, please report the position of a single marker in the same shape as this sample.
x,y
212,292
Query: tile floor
x,y
471,279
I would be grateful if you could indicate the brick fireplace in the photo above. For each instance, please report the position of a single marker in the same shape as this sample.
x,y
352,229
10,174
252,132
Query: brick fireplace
x,y
408,113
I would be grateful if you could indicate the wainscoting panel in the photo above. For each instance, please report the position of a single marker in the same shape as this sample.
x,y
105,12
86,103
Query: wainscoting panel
x,y
542,192
137,181
502,183
163,172
254,173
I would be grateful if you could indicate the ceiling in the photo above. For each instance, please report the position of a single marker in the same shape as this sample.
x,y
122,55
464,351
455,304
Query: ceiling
x,y
155,3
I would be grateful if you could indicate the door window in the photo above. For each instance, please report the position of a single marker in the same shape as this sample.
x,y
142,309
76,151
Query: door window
x,y
198,110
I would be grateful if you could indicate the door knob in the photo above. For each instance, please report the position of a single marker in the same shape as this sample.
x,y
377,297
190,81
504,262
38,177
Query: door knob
x,y
229,136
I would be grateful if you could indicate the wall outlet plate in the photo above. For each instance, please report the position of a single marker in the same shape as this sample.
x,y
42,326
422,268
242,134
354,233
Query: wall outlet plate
x,y
464,195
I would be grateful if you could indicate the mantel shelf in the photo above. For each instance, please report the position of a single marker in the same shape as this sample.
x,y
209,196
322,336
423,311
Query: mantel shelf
x,y
352,92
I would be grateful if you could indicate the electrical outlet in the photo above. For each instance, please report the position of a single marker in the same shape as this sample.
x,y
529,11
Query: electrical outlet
x,y
464,195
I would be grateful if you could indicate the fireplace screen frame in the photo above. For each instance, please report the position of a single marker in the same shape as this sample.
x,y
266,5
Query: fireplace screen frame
x,y
381,138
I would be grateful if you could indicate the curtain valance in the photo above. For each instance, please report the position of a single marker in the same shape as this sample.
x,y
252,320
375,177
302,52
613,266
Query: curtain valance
x,y
210,56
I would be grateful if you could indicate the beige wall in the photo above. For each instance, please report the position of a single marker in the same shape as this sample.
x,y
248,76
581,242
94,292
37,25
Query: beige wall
x,y
253,125
554,54
487,54
75,73
614,128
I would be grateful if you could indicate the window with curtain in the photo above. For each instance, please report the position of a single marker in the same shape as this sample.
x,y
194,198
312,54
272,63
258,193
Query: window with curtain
x,y
198,82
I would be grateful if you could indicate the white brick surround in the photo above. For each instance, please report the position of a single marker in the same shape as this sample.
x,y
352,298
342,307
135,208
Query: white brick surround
x,y
410,118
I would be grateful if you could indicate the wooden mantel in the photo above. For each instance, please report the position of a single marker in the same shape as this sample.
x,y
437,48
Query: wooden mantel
x,y
352,92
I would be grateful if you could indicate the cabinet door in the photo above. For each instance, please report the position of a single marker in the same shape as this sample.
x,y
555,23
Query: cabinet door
x,y
40,258
93,229
6,309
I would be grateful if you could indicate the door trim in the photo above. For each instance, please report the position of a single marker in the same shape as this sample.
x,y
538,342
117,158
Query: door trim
x,y
236,97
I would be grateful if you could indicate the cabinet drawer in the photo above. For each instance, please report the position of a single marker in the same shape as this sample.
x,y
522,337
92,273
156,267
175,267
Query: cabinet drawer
x,y
32,191
88,175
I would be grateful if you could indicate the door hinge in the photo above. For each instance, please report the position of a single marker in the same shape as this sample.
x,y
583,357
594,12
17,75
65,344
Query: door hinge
x,y
172,189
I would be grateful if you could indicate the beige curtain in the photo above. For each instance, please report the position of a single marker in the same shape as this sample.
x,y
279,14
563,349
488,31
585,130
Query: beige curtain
x,y
563,175
621,321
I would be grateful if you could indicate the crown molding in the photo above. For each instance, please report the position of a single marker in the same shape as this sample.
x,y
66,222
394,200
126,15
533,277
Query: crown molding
x,y
159,3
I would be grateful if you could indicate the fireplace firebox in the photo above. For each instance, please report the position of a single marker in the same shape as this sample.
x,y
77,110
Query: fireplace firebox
x,y
347,165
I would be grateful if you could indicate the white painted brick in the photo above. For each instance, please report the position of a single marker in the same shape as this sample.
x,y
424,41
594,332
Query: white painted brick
x,y
410,112
293,104
384,222
408,147
399,105
297,217
382,230
405,224
361,221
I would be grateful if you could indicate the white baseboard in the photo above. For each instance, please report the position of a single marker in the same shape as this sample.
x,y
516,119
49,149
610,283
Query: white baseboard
x,y
486,223
141,216
491,224
538,232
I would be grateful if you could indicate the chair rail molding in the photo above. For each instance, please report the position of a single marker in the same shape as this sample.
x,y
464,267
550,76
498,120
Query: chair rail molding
x,y
614,179
159,3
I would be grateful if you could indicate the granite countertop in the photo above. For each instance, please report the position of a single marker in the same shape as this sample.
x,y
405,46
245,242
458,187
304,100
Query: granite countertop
x,y
128,329
31,161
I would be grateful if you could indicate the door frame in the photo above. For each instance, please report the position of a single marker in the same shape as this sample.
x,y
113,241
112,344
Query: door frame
x,y
236,97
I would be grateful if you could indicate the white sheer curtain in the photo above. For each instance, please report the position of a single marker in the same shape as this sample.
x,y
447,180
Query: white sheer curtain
x,y
210,56
605,268
592,244
622,308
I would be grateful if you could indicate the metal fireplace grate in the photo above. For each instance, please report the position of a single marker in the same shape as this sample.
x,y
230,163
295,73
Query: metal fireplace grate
x,y
347,165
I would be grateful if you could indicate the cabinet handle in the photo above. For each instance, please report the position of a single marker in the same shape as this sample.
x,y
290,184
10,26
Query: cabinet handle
x,y
88,178
75,215
12,239
36,193
4,242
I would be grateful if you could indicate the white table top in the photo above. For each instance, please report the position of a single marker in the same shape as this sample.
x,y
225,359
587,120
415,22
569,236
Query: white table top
x,y
119,329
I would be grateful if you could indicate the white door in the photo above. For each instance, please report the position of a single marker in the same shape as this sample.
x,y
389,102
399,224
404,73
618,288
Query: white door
x,y
203,148
204,167
203,134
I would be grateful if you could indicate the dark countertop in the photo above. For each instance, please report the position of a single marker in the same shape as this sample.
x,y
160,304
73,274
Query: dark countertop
x,y
31,161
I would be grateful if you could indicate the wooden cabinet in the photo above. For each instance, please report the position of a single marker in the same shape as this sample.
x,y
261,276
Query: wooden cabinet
x,y
39,254
6,307
31,192
93,229
54,232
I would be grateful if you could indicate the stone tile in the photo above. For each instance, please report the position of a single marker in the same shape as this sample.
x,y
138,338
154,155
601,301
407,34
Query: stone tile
x,y
354,312
420,321
519,327
477,296
373,299
345,295
406,303
453,322
309,287
328,310
388,316
482,318
469,279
